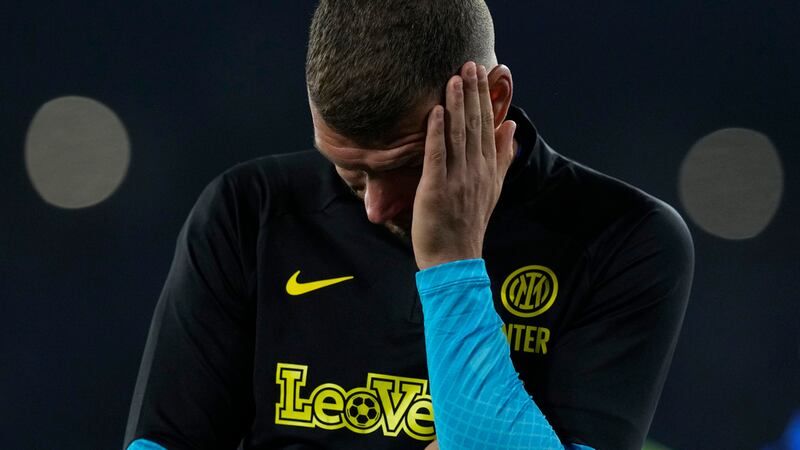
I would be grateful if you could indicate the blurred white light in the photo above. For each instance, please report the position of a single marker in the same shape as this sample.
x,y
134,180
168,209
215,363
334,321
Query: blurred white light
x,y
76,152
731,183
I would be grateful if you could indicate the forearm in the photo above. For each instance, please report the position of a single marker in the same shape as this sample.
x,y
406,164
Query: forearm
x,y
478,399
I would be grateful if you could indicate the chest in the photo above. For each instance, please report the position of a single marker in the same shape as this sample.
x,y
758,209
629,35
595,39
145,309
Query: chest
x,y
340,326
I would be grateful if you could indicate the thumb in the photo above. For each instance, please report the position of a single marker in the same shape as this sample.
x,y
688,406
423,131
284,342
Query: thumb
x,y
504,137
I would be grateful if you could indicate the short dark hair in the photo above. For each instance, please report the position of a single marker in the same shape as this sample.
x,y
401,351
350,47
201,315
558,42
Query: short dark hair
x,y
371,62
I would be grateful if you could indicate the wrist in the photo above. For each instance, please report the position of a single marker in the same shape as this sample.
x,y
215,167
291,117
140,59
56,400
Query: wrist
x,y
435,278
428,262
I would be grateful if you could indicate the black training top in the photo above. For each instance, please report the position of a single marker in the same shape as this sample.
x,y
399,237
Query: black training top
x,y
590,276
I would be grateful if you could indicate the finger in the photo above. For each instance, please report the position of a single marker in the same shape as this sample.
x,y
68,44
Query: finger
x,y
505,148
472,112
455,136
487,118
434,167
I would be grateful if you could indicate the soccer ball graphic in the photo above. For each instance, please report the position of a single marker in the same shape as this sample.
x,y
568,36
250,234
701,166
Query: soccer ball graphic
x,y
362,410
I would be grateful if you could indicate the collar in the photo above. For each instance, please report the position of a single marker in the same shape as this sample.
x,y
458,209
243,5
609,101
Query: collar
x,y
529,153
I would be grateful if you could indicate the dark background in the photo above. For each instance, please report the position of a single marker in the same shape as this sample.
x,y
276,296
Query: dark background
x,y
624,87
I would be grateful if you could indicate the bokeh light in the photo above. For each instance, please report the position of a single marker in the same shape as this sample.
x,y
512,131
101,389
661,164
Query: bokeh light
x,y
77,152
731,183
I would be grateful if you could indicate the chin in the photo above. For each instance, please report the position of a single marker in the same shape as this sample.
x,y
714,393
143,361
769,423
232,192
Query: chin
x,y
399,226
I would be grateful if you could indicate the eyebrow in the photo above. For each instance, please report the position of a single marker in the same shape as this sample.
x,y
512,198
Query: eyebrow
x,y
405,153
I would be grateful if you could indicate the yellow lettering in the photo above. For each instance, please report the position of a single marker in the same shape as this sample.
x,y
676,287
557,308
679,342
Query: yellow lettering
x,y
530,337
541,340
419,420
519,329
526,338
328,401
393,404
395,395
291,409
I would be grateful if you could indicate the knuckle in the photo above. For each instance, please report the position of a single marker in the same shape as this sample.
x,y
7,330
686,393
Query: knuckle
x,y
437,155
458,137
474,122
483,83
458,100
438,131
458,85
487,118
470,84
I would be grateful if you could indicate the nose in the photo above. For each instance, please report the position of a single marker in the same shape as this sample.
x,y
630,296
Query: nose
x,y
382,200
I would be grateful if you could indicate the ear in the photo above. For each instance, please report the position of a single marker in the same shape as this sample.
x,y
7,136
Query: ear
x,y
501,89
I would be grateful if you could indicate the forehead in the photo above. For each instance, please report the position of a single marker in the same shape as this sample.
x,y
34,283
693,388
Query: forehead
x,y
406,142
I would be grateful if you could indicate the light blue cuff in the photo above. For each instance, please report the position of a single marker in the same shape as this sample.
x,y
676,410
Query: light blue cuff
x,y
144,444
452,274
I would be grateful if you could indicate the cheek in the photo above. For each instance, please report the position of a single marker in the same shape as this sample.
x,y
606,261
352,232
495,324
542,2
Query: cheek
x,y
354,178
411,180
406,184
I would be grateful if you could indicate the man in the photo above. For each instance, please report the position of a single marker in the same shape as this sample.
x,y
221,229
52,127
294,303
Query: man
x,y
430,256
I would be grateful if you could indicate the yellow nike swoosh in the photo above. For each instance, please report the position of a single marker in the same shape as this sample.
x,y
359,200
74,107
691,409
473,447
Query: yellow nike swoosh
x,y
294,287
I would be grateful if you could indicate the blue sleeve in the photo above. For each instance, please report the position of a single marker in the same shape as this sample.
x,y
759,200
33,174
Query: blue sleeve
x,y
478,399
144,444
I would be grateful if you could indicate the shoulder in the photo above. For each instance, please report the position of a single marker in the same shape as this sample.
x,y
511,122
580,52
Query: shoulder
x,y
627,216
598,209
242,199
276,184
623,229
